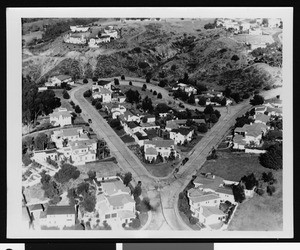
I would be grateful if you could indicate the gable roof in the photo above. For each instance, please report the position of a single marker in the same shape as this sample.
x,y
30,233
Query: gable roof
x,y
70,131
132,124
194,192
140,136
60,210
62,77
161,143
103,82
151,151
183,131
205,197
171,124
120,200
262,117
239,139
208,181
211,210
112,187
224,190
58,113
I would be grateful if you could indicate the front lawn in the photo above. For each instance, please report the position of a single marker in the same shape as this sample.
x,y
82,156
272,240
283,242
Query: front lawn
x,y
162,169
189,146
105,169
233,166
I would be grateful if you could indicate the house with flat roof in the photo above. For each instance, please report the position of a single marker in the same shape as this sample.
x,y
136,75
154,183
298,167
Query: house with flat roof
x,y
43,155
69,134
58,216
61,117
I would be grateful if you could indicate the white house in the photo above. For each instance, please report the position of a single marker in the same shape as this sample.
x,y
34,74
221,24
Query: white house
x,y
187,88
42,89
255,31
80,152
118,97
181,135
79,28
159,146
111,33
117,111
58,80
42,155
200,198
128,116
210,216
70,134
252,133
208,182
75,38
61,117
58,216
102,84
102,93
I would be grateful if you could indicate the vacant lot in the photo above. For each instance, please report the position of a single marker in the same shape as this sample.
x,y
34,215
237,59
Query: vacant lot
x,y
162,169
65,103
233,166
261,213
104,169
254,39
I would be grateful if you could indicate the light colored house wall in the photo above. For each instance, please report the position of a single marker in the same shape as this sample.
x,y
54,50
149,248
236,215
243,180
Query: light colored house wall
x,y
60,220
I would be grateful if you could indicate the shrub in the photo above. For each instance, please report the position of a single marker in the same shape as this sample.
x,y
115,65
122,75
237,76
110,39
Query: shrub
x,y
87,93
235,58
78,109
270,190
66,95
193,220
154,92
116,81
95,79
122,77
173,67
246,96
85,80
98,105
202,128
257,100
159,96
147,79
143,65
68,87
94,101
130,83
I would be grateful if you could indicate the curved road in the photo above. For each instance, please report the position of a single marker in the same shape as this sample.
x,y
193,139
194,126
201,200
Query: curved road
x,y
163,192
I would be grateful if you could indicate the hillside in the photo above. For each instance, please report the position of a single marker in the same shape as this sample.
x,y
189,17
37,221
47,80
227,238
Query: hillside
x,y
161,50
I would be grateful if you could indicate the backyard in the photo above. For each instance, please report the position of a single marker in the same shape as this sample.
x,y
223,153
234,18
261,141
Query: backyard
x,y
260,213
104,169
234,165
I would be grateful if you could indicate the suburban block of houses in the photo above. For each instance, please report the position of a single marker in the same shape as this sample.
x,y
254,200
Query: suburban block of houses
x,y
61,117
56,81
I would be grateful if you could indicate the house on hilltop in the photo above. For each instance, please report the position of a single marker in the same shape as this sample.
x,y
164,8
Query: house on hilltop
x,y
56,81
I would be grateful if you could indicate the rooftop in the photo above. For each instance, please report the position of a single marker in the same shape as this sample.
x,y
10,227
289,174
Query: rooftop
x,y
140,136
262,117
119,200
60,210
208,181
132,125
211,210
151,151
224,190
183,131
113,187
103,82
62,77
205,197
160,143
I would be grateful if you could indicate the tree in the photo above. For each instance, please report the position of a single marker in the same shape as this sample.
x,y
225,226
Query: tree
x,y
87,93
273,157
127,178
257,100
132,96
66,172
78,109
223,102
227,92
270,190
236,97
173,67
148,79
85,81
122,77
162,83
130,83
26,159
246,96
191,99
137,191
63,85
159,96
202,101
116,81
83,188
89,202
249,181
235,58
208,109
94,101
268,177
91,174
71,196
144,87
147,104
162,108
40,142
202,128
154,92
95,79
238,193
98,105
114,123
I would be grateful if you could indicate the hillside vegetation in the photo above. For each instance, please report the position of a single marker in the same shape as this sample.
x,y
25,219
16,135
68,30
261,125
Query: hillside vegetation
x,y
157,50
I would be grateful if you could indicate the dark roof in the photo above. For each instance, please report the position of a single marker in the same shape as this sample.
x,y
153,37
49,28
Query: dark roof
x,y
103,82
151,133
132,124
140,136
183,131
60,210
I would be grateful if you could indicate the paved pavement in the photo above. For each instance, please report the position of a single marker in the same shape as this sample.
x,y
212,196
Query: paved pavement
x,y
163,192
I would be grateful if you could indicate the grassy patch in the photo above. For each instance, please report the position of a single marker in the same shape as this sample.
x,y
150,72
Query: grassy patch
x,y
65,103
160,170
105,169
190,145
261,213
233,166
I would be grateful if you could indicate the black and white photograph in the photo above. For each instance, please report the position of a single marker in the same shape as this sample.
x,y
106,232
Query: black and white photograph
x,y
150,123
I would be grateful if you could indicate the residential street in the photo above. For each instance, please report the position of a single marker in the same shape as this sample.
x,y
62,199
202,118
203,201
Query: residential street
x,y
163,192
